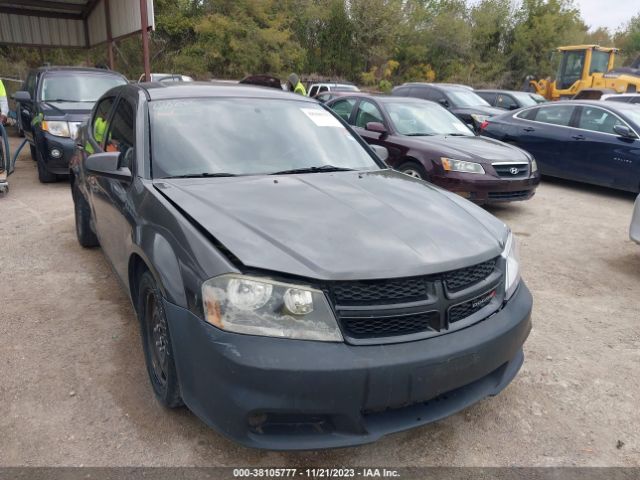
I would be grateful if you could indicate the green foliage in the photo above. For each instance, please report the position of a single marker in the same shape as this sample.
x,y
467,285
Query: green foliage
x,y
376,42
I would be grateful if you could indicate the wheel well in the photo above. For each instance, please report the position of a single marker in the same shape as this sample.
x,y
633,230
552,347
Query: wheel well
x,y
136,268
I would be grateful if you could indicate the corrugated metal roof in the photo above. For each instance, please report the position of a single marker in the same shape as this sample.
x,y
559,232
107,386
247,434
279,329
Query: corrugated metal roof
x,y
67,23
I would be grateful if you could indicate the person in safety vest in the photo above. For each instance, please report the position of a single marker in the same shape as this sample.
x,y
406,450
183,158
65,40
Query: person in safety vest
x,y
4,104
295,85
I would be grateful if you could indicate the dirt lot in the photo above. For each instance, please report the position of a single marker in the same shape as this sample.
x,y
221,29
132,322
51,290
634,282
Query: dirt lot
x,y
74,389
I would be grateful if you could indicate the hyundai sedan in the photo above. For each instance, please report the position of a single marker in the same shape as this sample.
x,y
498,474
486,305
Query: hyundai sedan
x,y
426,141
291,290
588,141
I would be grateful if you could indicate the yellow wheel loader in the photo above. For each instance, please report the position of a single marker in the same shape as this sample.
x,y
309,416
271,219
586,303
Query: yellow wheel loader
x,y
588,67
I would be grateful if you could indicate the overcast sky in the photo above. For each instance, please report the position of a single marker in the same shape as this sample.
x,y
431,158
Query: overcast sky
x,y
611,14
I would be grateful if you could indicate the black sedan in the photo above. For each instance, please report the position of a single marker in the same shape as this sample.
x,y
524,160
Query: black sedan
x,y
588,141
292,291
510,99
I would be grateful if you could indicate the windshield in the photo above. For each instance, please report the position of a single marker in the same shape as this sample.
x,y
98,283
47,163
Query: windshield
x,y
466,98
74,87
525,99
424,118
249,136
538,98
634,116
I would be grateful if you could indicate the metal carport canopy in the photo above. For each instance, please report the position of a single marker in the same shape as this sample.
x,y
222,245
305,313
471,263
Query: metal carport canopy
x,y
75,23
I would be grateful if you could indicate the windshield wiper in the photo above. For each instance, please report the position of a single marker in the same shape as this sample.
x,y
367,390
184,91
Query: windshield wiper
x,y
456,134
321,168
203,175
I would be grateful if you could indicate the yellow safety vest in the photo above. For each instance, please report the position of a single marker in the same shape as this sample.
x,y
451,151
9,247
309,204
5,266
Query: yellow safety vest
x,y
300,89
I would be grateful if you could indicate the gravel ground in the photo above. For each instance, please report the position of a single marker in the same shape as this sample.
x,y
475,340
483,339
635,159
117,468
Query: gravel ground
x,y
74,389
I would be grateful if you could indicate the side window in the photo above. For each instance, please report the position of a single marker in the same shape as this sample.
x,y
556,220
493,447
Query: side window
x,y
528,114
401,92
555,115
343,108
489,97
31,85
635,99
505,101
99,120
313,91
323,89
598,120
425,93
367,112
121,132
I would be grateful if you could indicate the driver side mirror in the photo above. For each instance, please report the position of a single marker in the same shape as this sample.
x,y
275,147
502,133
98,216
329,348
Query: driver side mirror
x,y
107,164
376,127
513,106
444,102
381,152
22,96
624,131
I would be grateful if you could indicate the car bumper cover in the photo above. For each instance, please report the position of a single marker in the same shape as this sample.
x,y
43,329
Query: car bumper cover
x,y
287,394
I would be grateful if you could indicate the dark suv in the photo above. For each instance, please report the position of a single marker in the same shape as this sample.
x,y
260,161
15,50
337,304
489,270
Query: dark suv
x,y
53,103
460,100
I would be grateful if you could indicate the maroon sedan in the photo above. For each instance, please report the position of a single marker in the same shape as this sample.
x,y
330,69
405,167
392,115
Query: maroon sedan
x,y
426,141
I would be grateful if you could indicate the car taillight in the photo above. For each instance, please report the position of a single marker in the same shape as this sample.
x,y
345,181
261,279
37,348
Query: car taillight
x,y
484,124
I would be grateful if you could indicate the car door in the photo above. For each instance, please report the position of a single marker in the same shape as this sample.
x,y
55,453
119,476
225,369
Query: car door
x,y
544,132
109,196
506,101
343,108
368,111
600,156
27,109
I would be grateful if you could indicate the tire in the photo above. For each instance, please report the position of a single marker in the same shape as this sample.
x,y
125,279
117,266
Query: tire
x,y
44,175
86,236
156,342
34,153
414,170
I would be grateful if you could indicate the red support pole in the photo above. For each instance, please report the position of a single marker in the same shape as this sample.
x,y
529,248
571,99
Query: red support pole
x,y
107,15
144,24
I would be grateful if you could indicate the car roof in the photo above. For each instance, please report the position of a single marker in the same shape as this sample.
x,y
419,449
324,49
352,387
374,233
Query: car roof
x,y
615,106
442,86
382,98
165,91
60,69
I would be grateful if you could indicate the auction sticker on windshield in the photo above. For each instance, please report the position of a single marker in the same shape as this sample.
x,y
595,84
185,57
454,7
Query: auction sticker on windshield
x,y
321,117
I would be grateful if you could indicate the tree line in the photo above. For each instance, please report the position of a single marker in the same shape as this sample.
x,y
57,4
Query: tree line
x,y
377,43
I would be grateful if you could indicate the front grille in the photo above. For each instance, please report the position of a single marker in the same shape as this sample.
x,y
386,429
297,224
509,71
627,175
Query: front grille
x,y
517,195
379,310
468,308
366,327
380,291
459,279
507,170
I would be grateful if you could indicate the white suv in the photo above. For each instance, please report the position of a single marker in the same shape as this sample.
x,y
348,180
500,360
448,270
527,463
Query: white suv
x,y
622,97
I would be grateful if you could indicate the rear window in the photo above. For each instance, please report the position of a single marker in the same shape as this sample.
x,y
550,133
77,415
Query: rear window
x,y
77,87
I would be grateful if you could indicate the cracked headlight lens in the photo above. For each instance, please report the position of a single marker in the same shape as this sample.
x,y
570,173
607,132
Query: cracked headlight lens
x,y
261,306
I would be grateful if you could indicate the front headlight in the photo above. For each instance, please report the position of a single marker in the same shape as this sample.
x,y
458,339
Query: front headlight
x,y
534,165
56,127
260,306
479,118
452,165
512,262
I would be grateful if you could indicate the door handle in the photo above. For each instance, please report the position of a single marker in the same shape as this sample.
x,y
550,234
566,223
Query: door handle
x,y
578,137
529,129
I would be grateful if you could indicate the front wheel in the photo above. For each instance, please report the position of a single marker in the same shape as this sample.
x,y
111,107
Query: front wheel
x,y
413,170
44,175
156,342
86,236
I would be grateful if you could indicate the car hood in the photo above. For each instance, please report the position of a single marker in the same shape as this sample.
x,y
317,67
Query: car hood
x,y
472,148
339,226
70,111
479,110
